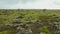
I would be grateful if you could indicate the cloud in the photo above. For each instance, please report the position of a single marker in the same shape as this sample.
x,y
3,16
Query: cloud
x,y
7,3
29,4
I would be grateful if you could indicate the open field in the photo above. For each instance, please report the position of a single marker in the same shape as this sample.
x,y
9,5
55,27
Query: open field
x,y
30,21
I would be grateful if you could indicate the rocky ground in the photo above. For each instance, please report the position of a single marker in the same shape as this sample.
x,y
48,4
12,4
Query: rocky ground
x,y
29,21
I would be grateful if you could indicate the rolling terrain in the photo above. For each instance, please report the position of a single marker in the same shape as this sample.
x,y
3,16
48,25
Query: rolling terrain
x,y
29,21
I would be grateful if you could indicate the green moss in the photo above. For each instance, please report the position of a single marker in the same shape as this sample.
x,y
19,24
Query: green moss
x,y
46,31
34,16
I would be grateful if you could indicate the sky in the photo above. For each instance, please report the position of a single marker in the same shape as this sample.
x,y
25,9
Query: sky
x,y
29,4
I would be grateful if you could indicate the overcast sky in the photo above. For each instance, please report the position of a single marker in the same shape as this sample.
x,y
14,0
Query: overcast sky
x,y
29,4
